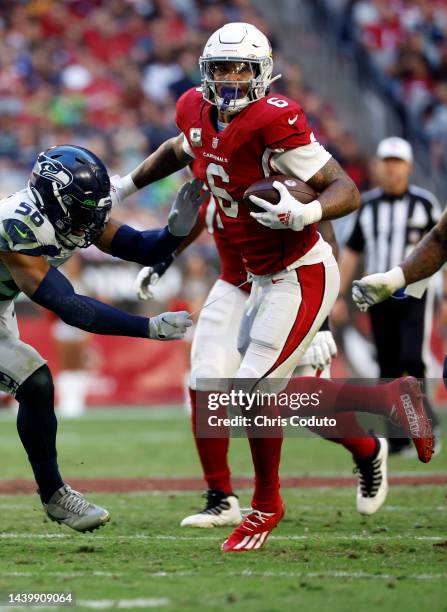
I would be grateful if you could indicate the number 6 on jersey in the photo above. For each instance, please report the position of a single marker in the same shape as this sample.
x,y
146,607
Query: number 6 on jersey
x,y
228,205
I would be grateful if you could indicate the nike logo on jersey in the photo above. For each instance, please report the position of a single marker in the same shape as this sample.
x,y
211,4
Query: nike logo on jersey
x,y
276,280
293,120
20,233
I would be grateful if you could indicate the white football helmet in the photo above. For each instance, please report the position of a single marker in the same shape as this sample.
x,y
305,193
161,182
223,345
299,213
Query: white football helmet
x,y
250,50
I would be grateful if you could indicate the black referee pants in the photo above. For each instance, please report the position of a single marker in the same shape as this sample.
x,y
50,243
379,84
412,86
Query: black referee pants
x,y
398,330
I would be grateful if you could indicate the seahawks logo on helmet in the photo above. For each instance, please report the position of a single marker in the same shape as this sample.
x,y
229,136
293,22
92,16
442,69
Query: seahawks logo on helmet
x,y
53,170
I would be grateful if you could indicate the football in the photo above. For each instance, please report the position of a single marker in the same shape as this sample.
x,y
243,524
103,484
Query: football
x,y
264,189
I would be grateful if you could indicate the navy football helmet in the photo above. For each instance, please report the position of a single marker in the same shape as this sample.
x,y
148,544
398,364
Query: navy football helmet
x,y
72,188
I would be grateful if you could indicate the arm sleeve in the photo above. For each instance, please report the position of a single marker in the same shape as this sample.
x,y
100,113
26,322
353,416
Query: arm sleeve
x,y
56,293
356,241
187,147
147,247
302,162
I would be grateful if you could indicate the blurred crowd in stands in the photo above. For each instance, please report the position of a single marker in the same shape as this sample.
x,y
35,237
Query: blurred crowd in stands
x,y
407,43
105,74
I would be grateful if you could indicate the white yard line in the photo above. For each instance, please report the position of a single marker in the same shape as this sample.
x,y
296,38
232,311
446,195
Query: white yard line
x,y
210,538
243,574
107,604
73,574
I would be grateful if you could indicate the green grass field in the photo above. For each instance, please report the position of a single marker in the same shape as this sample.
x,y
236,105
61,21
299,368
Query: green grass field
x,y
323,556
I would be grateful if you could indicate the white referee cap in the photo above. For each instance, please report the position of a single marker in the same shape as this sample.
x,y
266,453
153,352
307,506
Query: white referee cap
x,y
395,147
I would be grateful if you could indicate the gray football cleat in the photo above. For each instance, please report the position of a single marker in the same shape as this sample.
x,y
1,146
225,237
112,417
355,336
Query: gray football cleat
x,y
69,507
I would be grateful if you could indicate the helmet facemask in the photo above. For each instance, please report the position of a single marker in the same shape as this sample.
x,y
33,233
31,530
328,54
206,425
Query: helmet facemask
x,y
83,220
232,95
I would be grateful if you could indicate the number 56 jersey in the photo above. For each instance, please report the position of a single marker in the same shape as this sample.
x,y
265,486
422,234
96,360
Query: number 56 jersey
x,y
270,136
24,229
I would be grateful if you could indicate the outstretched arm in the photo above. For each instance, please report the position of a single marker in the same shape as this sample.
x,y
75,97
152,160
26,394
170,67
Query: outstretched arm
x,y
426,259
145,247
153,246
429,255
167,159
49,288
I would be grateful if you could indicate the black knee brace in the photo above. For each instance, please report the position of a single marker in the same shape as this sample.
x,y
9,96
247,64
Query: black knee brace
x,y
38,387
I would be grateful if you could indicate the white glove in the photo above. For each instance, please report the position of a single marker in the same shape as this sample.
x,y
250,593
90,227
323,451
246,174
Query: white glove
x,y
376,288
321,351
185,208
120,188
169,325
143,283
289,213
149,276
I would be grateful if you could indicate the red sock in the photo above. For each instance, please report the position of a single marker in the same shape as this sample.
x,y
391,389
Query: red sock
x,y
354,437
266,455
213,452
361,448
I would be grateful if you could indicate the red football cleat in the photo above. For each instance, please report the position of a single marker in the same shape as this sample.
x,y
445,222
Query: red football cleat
x,y
254,530
409,413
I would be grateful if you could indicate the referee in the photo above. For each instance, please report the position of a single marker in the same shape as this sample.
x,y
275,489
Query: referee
x,y
390,222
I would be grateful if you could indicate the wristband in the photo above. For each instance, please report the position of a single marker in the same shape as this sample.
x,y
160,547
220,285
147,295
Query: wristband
x,y
325,325
395,278
128,186
312,212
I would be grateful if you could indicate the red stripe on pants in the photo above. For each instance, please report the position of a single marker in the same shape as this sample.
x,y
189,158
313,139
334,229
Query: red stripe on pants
x,y
312,280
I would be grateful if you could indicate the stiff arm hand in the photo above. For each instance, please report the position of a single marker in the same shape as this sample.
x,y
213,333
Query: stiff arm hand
x,y
376,288
169,325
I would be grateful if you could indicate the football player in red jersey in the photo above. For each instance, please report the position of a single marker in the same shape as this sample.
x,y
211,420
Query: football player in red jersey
x,y
214,355
238,133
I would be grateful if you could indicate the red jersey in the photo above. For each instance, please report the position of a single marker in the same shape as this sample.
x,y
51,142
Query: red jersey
x,y
232,269
232,160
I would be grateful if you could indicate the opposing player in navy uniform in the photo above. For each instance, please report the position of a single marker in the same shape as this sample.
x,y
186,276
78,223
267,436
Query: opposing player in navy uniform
x,y
66,206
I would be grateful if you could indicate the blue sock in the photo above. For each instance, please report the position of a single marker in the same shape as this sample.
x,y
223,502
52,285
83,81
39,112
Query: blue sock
x,y
47,477
37,427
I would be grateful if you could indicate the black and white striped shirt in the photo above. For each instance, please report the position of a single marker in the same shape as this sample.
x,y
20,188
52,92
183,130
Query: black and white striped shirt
x,y
387,228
